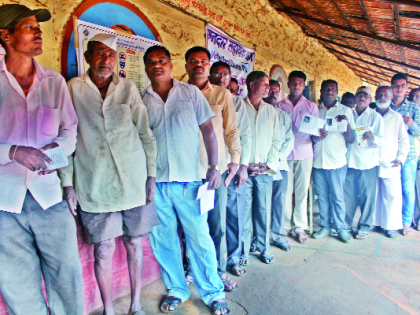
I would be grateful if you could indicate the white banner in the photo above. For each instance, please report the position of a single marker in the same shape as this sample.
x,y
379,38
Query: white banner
x,y
130,51
224,48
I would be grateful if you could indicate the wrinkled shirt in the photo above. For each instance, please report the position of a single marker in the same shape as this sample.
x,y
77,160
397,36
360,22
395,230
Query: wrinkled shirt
x,y
396,144
266,138
330,153
303,148
44,116
364,158
175,124
116,150
225,126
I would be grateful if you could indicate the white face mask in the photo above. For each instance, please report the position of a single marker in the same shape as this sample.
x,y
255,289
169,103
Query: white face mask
x,y
383,103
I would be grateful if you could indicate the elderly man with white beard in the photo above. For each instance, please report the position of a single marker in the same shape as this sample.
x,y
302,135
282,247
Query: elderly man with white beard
x,y
388,213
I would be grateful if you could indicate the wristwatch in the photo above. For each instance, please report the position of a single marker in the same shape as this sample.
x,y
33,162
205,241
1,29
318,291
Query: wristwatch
x,y
214,167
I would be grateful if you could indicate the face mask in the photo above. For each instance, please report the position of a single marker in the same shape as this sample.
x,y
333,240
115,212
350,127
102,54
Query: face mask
x,y
383,103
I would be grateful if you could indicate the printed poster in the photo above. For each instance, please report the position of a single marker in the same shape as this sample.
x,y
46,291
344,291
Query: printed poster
x,y
224,48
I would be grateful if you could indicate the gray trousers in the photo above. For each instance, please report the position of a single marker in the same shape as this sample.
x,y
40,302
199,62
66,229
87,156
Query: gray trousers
x,y
36,242
360,188
217,224
257,213
278,204
235,222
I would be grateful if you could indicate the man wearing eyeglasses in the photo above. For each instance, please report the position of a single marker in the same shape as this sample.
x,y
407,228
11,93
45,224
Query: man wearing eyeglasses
x,y
411,116
330,163
225,125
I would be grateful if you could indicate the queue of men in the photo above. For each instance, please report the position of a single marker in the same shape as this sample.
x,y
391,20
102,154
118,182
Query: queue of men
x,y
136,162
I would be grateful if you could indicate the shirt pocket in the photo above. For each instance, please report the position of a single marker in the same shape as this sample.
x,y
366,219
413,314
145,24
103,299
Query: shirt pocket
x,y
122,116
185,112
50,121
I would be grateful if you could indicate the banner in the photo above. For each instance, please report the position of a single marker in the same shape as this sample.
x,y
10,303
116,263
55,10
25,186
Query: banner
x,y
224,48
130,51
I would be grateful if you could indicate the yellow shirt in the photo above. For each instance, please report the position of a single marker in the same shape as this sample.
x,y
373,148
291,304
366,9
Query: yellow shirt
x,y
115,150
225,126
266,137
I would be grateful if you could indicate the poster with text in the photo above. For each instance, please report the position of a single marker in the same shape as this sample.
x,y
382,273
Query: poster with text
x,y
130,51
224,48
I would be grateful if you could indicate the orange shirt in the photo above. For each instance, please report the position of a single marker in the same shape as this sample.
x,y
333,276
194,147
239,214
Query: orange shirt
x,y
32,81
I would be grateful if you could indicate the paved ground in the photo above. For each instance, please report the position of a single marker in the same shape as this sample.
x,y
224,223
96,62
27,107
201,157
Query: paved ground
x,y
374,276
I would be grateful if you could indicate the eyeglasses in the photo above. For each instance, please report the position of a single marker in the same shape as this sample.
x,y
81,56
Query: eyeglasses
x,y
397,86
219,75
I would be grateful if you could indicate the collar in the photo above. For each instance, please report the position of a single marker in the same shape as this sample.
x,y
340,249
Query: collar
x,y
301,99
39,70
262,104
86,78
403,103
208,86
150,90
335,105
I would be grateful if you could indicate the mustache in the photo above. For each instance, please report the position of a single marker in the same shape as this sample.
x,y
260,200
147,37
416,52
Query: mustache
x,y
103,65
198,67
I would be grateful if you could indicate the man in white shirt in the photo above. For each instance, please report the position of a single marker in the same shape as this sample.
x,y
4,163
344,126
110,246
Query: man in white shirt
x,y
263,164
280,180
393,153
177,113
37,230
363,161
330,162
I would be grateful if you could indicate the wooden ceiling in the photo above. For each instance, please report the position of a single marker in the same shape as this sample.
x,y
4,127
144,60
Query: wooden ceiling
x,y
376,39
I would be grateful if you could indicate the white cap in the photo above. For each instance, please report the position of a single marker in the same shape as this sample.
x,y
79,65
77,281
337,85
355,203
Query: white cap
x,y
106,39
365,89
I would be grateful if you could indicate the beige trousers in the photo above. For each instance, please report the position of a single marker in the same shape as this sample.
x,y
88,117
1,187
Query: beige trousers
x,y
298,183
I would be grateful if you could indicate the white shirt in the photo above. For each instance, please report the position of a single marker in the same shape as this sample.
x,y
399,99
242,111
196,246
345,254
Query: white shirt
x,y
44,116
287,138
364,158
396,145
266,139
330,153
175,124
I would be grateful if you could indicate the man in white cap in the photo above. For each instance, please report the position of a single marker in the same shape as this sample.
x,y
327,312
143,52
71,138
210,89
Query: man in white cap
x,y
113,168
37,230
363,161
388,213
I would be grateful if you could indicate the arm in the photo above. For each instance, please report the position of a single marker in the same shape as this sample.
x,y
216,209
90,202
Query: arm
x,y
246,142
403,142
210,142
289,141
231,128
414,128
377,135
273,154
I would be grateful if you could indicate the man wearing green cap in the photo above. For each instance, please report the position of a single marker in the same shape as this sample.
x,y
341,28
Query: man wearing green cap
x,y
37,230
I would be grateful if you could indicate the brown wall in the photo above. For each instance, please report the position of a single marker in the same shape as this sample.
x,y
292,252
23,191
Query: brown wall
x,y
278,39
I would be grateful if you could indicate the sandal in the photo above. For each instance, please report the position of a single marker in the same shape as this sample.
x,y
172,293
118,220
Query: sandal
x,y
408,230
217,307
189,279
244,261
171,301
361,235
286,246
237,270
228,282
253,248
267,259
302,237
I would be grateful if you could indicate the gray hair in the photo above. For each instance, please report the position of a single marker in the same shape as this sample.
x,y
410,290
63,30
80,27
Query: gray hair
x,y
386,87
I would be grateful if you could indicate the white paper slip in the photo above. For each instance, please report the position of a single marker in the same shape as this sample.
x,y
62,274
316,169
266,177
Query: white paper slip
x,y
386,164
311,124
331,124
59,158
206,198
360,131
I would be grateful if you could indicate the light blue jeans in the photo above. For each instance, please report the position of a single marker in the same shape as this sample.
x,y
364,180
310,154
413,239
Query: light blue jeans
x,y
174,200
408,183
328,186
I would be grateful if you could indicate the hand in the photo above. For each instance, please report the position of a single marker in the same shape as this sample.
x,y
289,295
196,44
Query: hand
x,y
322,134
150,189
71,198
232,168
45,148
368,135
263,168
214,178
341,117
408,120
396,163
253,169
29,157
241,176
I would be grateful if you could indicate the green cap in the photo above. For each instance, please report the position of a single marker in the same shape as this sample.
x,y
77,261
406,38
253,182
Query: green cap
x,y
14,12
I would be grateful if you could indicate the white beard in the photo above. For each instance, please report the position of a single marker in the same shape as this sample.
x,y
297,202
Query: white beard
x,y
383,104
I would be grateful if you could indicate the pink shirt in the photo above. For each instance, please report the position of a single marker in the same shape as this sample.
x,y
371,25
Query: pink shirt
x,y
302,149
44,116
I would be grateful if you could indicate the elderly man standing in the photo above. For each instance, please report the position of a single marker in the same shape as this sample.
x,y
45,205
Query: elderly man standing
x,y
411,116
37,230
225,125
177,113
388,214
362,162
263,164
220,75
114,167
330,163
280,180
300,159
